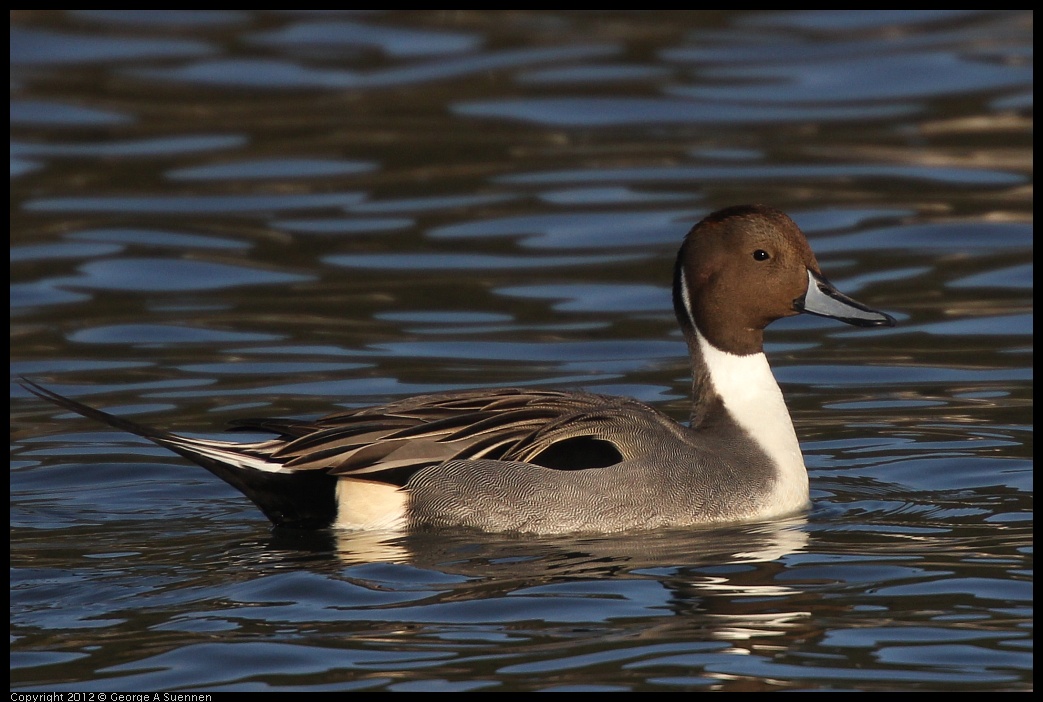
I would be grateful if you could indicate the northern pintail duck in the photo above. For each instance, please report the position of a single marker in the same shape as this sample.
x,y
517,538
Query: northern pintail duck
x,y
545,461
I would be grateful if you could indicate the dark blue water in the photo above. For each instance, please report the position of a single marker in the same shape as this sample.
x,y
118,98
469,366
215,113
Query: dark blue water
x,y
223,214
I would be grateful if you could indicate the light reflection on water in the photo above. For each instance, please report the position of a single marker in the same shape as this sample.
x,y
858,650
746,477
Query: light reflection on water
x,y
229,213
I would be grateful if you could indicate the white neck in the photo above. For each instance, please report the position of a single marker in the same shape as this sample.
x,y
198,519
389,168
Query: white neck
x,y
752,397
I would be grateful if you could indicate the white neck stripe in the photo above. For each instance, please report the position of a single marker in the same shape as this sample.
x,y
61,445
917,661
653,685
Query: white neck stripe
x,y
686,299
752,397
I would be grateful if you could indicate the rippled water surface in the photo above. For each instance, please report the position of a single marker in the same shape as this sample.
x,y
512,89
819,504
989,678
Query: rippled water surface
x,y
233,213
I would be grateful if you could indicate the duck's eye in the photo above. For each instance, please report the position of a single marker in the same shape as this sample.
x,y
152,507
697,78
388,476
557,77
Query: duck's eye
x,y
761,255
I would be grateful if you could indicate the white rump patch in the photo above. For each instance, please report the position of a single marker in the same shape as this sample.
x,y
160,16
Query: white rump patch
x,y
365,504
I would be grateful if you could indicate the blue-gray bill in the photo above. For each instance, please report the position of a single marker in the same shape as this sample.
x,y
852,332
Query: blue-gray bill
x,y
824,300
